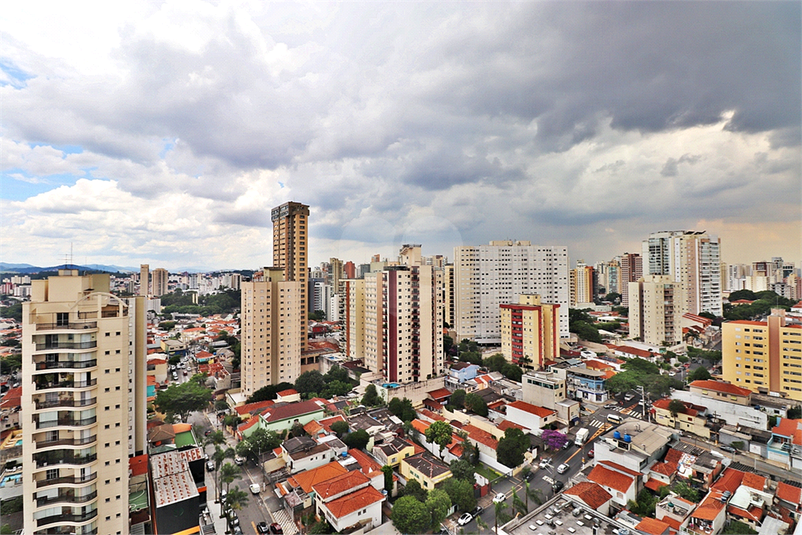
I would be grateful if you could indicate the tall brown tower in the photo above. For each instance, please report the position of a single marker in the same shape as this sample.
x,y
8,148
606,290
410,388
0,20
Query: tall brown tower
x,y
290,251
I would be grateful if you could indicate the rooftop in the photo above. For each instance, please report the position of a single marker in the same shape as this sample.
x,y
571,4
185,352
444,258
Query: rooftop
x,y
562,515
291,411
591,493
610,478
541,412
339,484
720,386
349,503
427,464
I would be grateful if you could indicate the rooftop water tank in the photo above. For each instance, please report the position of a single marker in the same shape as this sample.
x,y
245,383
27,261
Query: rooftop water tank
x,y
617,435
627,438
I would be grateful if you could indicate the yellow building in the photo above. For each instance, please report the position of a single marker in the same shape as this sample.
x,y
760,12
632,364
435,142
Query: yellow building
x,y
530,329
271,330
655,310
692,419
160,277
763,356
427,469
291,253
83,403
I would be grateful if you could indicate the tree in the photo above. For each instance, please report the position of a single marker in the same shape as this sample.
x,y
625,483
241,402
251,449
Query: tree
x,y
738,445
438,503
357,440
458,398
736,527
237,498
686,491
340,427
403,409
645,505
414,489
410,515
228,473
511,447
512,372
675,406
495,362
215,438
439,433
268,392
183,399
699,374
500,515
476,404
371,397
460,492
554,439
461,469
795,413
518,503
310,382
388,478
472,357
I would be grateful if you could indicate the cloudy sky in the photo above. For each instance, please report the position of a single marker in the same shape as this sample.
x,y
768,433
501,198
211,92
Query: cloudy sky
x,y
164,132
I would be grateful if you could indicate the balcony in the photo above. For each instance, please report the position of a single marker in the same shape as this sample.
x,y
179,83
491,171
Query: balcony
x,y
66,421
54,458
66,345
66,531
67,402
66,442
66,364
68,517
66,480
70,325
67,496
49,385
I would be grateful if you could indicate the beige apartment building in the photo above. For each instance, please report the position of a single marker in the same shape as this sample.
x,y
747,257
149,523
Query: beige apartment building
x,y
763,356
271,330
544,389
290,252
655,310
144,280
401,335
581,284
631,271
160,279
83,404
530,329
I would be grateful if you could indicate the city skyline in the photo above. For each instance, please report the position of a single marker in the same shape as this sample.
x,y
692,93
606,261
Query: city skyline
x,y
165,133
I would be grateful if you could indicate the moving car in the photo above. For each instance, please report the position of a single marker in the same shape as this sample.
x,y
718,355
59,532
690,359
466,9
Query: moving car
x,y
465,519
239,460
210,466
500,497
557,486
563,468
615,419
255,488
544,463
629,396
611,406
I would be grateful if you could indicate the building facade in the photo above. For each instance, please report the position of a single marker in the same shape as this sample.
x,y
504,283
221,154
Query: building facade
x,y
530,329
763,356
581,284
631,271
488,276
290,252
160,277
83,401
655,310
271,330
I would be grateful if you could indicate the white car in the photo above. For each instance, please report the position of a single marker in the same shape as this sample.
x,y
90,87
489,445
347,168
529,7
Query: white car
x,y
563,468
465,519
500,497
545,463
255,488
239,460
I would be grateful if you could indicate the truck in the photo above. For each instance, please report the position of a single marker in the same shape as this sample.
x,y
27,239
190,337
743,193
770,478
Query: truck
x,y
581,436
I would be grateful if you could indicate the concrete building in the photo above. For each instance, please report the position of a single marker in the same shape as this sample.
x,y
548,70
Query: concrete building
x,y
631,271
144,280
693,260
655,310
530,329
160,278
488,276
763,356
83,401
395,317
581,284
543,389
290,252
271,330
448,294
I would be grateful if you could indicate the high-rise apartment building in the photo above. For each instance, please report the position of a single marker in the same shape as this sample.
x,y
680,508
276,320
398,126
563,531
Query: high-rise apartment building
x,y
631,271
655,314
530,329
160,278
335,273
290,251
763,356
144,280
488,276
349,271
581,284
448,295
400,307
271,330
83,404
692,259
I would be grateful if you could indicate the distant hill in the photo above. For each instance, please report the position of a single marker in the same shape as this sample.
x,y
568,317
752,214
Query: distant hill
x,y
27,268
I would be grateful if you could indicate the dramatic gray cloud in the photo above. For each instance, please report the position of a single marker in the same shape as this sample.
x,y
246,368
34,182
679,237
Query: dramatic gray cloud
x,y
172,128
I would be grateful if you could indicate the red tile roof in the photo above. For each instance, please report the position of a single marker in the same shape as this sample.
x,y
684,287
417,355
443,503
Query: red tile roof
x,y
288,392
313,428
724,388
652,526
349,503
368,463
542,412
12,398
655,484
306,480
673,524
754,481
710,507
610,478
431,415
252,407
506,424
618,468
339,484
420,426
667,469
730,480
440,393
754,513
483,437
787,427
789,493
591,493
292,410
326,422
138,465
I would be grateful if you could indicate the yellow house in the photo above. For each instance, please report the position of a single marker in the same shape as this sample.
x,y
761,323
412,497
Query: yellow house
x,y
691,420
391,453
427,469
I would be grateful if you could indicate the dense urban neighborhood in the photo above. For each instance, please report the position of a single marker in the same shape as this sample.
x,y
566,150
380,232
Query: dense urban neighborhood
x,y
658,393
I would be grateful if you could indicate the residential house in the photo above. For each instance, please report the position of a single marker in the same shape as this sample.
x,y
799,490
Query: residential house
x,y
288,396
620,482
303,453
709,517
786,443
722,391
349,501
587,384
692,419
650,526
391,453
530,416
674,511
788,499
460,372
369,467
634,444
427,469
750,500
591,494
297,491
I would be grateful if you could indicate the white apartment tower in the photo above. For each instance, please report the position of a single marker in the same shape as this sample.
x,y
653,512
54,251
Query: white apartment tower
x,y
488,276
271,330
655,312
83,404
692,259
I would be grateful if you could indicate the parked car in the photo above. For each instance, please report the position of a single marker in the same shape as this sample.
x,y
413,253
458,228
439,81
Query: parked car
x,y
728,449
500,497
544,463
465,519
477,511
591,453
210,466
262,528
611,406
563,468
255,488
239,460
557,486
276,529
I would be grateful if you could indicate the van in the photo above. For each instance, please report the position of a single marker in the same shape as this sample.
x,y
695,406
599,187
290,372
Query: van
x,y
615,419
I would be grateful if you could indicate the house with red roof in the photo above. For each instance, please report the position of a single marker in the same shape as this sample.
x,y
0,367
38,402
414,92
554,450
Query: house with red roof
x,y
593,495
530,416
674,511
719,390
692,418
621,484
785,444
349,502
711,514
650,526
288,396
